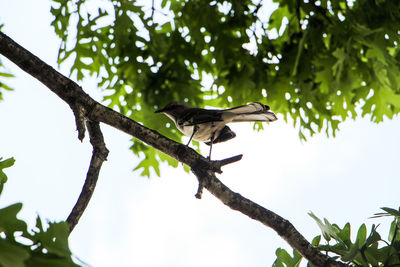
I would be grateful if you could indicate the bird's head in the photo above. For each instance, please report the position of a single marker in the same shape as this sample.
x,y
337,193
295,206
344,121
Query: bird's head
x,y
173,109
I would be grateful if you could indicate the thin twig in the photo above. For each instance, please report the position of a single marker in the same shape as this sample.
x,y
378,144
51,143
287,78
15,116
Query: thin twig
x,y
99,155
152,9
231,160
217,164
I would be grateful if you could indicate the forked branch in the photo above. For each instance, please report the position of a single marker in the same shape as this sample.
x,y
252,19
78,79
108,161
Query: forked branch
x,y
204,170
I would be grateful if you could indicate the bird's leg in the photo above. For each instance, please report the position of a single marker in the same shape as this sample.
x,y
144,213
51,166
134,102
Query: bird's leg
x,y
195,128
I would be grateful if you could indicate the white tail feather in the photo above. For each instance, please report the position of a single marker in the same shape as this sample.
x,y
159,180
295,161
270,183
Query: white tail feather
x,y
252,112
268,116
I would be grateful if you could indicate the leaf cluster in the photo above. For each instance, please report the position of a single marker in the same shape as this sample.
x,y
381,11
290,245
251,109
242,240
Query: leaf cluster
x,y
40,247
318,62
367,249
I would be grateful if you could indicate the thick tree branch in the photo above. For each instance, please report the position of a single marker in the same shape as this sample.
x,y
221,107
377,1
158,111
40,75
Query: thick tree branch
x,y
205,170
100,153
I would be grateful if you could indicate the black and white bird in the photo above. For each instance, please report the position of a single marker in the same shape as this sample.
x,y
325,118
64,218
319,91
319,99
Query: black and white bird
x,y
210,125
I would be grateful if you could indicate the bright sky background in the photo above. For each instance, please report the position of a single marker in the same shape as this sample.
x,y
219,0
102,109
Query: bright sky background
x,y
135,221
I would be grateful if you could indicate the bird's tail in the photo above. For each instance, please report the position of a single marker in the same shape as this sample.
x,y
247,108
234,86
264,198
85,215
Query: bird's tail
x,y
252,112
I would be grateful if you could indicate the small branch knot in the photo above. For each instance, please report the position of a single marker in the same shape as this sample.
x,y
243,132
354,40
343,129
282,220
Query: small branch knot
x,y
217,164
199,191
79,112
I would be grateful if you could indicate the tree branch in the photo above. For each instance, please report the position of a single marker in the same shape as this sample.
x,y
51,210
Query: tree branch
x,y
100,153
204,170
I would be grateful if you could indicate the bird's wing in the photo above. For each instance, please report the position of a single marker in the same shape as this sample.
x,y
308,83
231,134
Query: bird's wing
x,y
195,116
251,112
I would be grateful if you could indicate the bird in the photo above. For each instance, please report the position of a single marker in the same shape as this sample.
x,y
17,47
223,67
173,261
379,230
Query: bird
x,y
210,125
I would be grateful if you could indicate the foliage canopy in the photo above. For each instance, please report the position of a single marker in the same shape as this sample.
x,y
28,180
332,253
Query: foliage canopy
x,y
317,62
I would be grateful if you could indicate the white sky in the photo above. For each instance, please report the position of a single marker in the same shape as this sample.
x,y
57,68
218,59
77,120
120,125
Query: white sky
x,y
135,221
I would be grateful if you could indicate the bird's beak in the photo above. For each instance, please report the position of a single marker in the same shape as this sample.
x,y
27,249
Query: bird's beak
x,y
159,110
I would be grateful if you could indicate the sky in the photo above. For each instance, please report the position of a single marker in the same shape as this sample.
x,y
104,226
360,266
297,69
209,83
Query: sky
x,y
136,221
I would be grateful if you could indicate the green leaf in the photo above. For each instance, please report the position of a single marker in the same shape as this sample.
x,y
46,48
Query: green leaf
x,y
344,235
351,253
9,224
316,240
54,239
373,237
12,255
283,258
3,165
327,229
383,102
339,66
324,76
149,162
393,212
5,75
8,75
277,17
362,234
